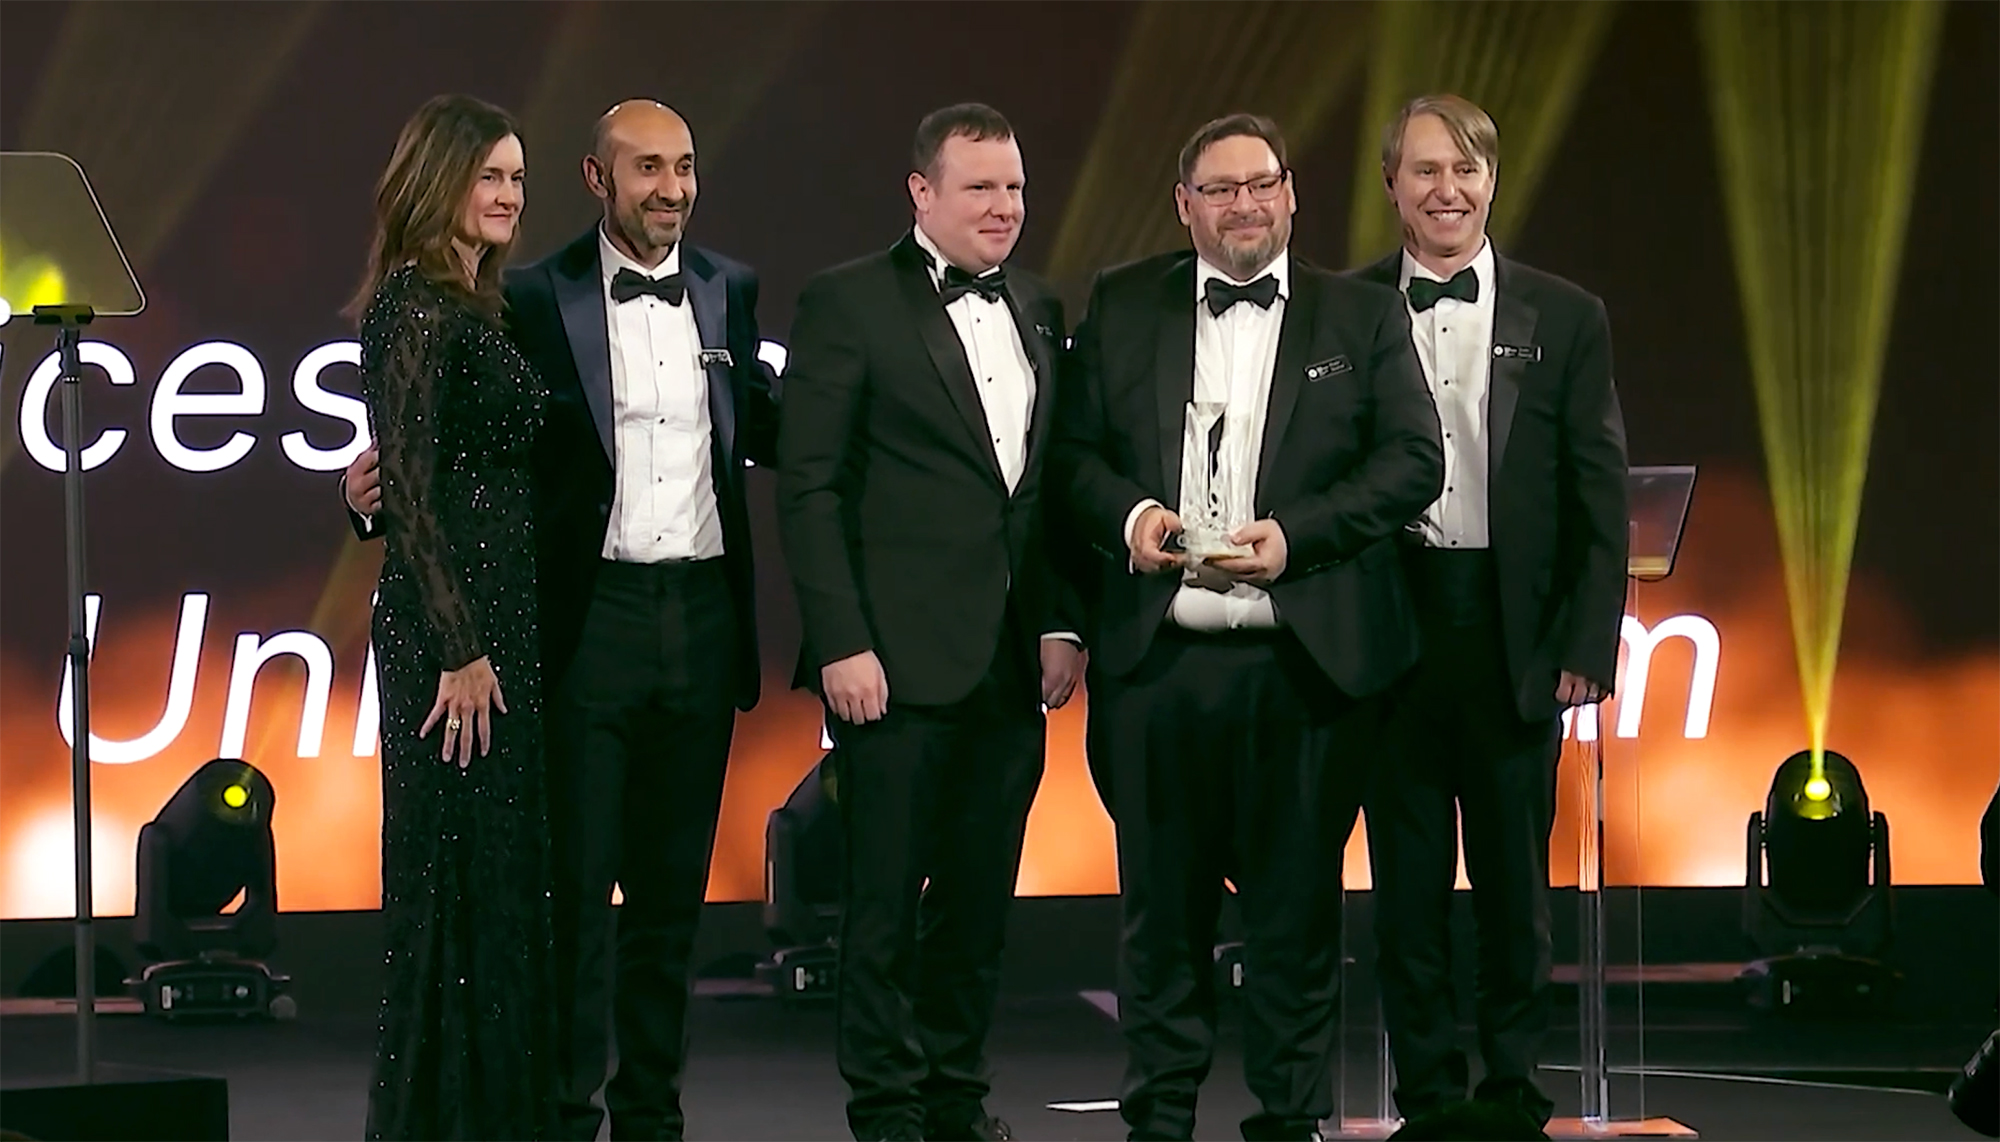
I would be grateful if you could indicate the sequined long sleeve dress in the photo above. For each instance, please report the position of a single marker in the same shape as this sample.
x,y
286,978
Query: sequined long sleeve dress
x,y
466,1039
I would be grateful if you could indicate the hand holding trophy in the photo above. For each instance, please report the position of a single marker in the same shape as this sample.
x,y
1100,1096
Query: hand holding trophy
x,y
1210,457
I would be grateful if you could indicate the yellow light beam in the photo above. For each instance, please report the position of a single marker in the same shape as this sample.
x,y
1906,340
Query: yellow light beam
x,y
1184,65
1819,112
1524,63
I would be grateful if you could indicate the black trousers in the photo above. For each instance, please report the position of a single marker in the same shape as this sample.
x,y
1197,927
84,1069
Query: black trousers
x,y
638,745
1461,756
1229,755
934,802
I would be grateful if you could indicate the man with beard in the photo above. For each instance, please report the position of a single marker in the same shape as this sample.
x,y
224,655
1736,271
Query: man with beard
x,y
1518,573
1232,693
910,503
648,347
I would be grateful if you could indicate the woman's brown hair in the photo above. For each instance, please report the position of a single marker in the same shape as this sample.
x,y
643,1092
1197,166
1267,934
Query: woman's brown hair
x,y
422,193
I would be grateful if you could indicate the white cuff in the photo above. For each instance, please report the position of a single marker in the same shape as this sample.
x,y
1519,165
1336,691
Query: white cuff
x,y
1132,521
367,519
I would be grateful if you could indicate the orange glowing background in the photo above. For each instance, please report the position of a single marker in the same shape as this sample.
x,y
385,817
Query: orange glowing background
x,y
1925,733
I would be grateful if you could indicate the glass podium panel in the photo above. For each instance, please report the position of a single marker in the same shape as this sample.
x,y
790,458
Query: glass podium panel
x,y
1594,1056
1364,1080
1601,819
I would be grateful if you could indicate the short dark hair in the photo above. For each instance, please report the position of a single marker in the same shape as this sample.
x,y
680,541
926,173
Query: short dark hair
x,y
1230,127
975,121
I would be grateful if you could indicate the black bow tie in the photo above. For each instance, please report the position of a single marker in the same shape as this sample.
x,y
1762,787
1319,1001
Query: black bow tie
x,y
1424,293
1221,294
991,285
627,284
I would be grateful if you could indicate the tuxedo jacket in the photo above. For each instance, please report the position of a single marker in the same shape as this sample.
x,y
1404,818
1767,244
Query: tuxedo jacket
x,y
899,530
556,312
1350,453
1555,500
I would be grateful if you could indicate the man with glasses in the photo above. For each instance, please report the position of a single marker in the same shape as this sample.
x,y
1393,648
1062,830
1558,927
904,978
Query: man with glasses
x,y
1244,435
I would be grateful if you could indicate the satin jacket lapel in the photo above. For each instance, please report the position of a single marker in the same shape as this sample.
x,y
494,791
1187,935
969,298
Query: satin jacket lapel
x,y
1173,371
579,290
1042,363
1295,332
1513,324
941,341
706,292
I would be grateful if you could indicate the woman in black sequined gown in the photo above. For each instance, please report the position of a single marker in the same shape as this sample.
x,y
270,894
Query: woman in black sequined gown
x,y
466,1042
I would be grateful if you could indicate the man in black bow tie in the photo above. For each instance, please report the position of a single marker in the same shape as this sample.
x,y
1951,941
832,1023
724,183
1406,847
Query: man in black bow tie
x,y
648,346
1233,673
1518,569
910,497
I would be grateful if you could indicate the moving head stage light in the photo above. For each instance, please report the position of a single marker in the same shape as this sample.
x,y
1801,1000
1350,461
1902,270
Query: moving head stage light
x,y
804,864
1975,1094
1816,898
210,844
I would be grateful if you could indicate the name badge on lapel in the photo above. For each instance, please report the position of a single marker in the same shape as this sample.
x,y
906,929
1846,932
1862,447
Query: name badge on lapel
x,y
1331,367
717,357
1517,353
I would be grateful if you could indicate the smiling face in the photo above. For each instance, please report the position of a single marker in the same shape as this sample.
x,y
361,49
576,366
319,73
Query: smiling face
x,y
1237,204
492,208
1442,194
973,200
642,170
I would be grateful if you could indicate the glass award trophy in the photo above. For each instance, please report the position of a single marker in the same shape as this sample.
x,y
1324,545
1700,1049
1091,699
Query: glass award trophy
x,y
1214,504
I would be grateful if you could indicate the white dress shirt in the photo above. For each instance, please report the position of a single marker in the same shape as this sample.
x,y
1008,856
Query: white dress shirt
x,y
1234,357
1454,341
1000,368
663,503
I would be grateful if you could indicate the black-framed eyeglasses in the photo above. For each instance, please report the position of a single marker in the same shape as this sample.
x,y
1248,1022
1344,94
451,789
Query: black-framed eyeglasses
x,y
1263,188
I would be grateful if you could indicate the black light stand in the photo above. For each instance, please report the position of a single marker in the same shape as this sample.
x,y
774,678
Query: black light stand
x,y
69,321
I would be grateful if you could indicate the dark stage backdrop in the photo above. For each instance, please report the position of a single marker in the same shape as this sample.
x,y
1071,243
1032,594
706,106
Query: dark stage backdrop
x,y
235,147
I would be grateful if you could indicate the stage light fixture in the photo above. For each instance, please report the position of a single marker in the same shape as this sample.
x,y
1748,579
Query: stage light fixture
x,y
804,855
1817,902
1975,1094
210,847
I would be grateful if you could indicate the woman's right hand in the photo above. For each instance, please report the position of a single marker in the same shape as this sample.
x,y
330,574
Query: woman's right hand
x,y
466,700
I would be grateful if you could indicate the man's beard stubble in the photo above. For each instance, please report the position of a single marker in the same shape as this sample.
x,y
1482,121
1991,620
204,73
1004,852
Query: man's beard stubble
x,y
636,226
1241,261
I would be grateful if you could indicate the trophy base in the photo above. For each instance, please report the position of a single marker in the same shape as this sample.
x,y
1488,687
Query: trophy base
x,y
1207,551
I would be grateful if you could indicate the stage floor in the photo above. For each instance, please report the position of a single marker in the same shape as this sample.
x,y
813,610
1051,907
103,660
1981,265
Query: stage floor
x,y
764,1070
